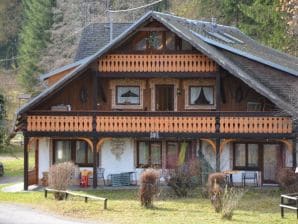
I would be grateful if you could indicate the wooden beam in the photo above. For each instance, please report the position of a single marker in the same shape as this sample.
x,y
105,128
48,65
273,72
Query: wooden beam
x,y
217,154
26,161
154,29
294,152
218,91
157,74
94,142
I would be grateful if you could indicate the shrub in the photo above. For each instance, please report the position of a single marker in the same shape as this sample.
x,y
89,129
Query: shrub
x,y
216,184
60,176
230,201
148,187
288,180
184,178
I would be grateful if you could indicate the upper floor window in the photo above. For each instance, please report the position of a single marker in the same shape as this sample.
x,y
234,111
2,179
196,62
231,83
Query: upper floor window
x,y
201,95
127,95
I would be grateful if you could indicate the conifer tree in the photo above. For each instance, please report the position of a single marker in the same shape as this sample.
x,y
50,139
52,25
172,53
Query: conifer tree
x,y
35,34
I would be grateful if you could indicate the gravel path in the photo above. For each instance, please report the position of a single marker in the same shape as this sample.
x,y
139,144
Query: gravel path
x,y
19,214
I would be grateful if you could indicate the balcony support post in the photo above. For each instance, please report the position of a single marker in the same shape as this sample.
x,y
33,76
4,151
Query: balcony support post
x,y
218,90
26,161
94,141
294,152
217,154
95,89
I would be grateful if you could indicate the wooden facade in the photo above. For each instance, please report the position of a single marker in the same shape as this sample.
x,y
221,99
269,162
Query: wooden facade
x,y
86,107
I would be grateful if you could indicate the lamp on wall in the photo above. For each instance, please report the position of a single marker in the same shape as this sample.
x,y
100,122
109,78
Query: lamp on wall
x,y
179,92
296,170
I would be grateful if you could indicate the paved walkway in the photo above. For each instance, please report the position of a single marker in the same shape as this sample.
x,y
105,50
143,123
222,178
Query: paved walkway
x,y
9,180
18,214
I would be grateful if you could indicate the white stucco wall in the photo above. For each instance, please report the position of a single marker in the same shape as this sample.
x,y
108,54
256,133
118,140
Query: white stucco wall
x,y
43,156
113,165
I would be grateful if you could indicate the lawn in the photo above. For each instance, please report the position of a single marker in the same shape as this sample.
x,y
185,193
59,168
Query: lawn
x,y
257,206
14,162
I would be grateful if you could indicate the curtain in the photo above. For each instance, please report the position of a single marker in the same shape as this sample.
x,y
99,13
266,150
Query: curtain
x,y
253,155
63,151
194,94
134,91
143,153
208,92
240,155
183,150
155,154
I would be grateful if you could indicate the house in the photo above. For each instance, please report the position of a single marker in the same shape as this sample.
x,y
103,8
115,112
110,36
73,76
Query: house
x,y
159,86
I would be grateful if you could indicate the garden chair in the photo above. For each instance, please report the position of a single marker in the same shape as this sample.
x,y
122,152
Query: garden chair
x,y
249,175
100,175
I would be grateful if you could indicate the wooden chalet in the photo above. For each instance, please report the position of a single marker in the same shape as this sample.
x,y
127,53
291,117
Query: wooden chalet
x,y
162,82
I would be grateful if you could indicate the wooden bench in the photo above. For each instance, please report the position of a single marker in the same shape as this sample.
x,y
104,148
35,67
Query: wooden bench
x,y
67,193
291,202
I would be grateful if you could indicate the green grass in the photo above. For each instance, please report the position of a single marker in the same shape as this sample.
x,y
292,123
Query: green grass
x,y
258,206
14,162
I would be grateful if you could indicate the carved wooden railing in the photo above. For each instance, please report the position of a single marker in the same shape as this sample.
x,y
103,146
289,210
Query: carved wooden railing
x,y
155,124
255,124
59,123
156,63
171,122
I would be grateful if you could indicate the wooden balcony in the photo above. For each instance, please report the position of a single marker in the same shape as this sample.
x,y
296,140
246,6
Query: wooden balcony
x,y
156,63
147,122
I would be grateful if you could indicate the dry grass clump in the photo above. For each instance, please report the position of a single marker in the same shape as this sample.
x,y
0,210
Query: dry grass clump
x,y
148,187
216,185
230,201
60,176
288,180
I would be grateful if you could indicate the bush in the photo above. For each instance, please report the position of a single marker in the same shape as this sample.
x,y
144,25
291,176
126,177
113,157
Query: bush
x,y
216,185
230,201
60,176
148,187
184,178
288,180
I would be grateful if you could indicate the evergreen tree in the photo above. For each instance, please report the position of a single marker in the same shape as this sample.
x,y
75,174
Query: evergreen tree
x,y
33,39
269,27
10,17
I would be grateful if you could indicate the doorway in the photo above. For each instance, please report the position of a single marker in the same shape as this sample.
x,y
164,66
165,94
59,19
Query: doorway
x,y
164,98
272,161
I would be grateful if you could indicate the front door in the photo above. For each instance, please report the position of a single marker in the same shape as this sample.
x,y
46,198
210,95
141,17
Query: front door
x,y
164,98
272,162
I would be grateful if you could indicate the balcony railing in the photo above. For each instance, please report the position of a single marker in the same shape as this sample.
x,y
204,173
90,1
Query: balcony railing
x,y
156,63
174,122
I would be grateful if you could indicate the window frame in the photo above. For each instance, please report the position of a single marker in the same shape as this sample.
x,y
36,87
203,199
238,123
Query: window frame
x,y
200,86
127,86
246,167
149,159
73,152
189,153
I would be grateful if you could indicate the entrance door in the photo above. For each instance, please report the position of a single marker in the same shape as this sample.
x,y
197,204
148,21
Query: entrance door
x,y
272,162
164,98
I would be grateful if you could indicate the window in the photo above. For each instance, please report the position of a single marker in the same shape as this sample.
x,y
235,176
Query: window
x,y
201,95
127,95
177,152
62,151
84,154
71,150
149,154
246,156
254,106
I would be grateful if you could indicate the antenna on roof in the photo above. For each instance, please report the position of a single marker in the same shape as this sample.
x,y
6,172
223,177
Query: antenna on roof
x,y
110,12
213,23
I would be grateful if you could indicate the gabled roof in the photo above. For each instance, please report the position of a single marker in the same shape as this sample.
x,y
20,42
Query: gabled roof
x,y
214,41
